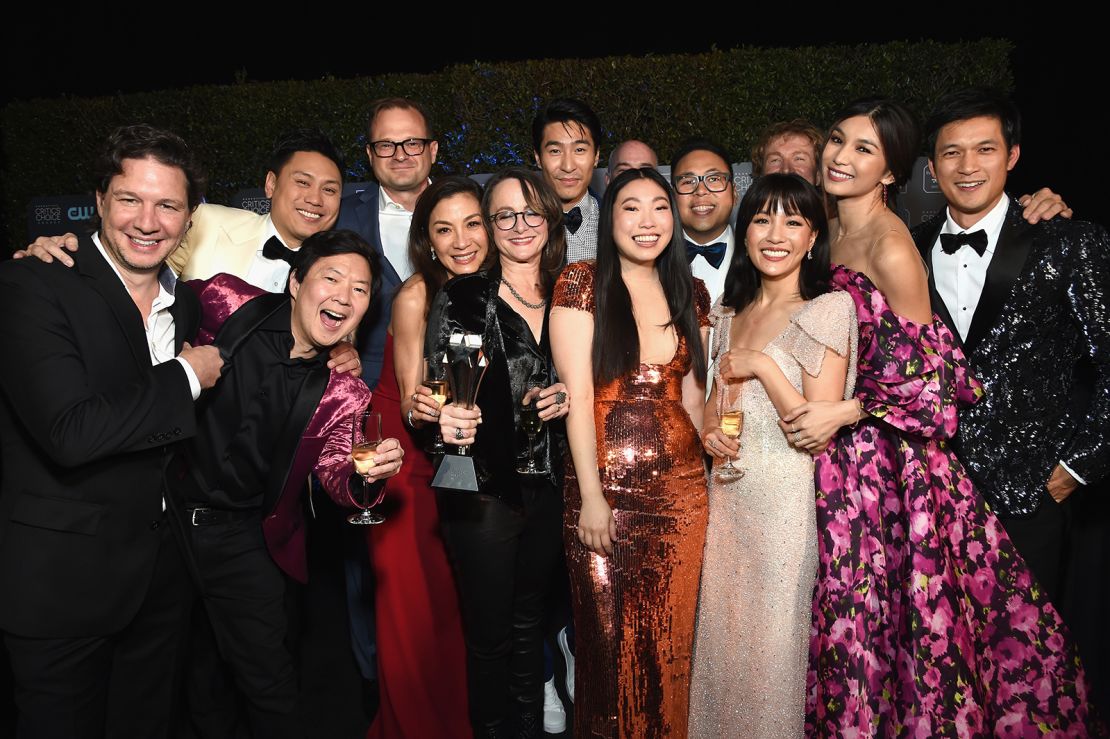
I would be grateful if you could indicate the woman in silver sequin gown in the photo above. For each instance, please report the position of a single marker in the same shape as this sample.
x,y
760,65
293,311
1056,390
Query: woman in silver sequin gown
x,y
754,610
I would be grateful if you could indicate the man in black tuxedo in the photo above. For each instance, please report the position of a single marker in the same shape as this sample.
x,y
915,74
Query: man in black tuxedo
x,y
93,590
1031,304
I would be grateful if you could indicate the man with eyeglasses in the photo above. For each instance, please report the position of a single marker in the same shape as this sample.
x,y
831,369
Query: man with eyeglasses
x,y
701,174
401,149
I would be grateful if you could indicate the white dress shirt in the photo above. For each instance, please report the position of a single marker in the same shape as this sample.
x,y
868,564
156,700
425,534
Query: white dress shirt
x,y
713,277
960,277
393,228
269,274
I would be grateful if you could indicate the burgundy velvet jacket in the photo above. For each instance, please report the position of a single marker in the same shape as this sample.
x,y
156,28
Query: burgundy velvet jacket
x,y
317,437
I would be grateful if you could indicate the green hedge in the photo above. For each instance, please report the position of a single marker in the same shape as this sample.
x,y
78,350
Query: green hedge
x,y
481,112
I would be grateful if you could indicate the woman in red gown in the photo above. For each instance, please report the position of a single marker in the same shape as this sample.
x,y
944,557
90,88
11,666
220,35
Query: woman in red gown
x,y
421,656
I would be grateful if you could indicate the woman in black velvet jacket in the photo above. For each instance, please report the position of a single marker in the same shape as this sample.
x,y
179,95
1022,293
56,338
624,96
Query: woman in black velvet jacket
x,y
505,540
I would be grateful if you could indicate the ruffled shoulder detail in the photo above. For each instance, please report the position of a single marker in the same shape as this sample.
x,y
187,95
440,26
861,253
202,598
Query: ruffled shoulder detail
x,y
826,322
575,287
914,376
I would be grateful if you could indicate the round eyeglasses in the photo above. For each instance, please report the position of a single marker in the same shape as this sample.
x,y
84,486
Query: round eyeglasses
x,y
505,220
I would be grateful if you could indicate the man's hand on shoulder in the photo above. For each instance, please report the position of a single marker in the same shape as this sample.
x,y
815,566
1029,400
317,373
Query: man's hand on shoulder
x,y
49,248
205,361
343,358
1043,205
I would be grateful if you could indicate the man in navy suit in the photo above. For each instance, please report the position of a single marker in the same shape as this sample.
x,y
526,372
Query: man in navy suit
x,y
402,149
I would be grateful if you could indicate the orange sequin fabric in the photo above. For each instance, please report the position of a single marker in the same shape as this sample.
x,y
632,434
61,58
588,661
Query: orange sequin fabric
x,y
634,611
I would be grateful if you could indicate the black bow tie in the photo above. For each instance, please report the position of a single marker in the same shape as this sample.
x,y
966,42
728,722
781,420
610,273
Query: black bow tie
x,y
977,240
274,249
573,219
713,253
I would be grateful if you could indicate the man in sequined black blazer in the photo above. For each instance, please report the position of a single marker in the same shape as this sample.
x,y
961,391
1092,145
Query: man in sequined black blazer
x,y
1031,304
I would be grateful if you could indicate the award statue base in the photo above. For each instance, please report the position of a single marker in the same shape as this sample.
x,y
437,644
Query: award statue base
x,y
456,473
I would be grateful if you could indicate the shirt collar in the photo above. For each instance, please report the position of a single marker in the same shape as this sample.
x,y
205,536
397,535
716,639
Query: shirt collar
x,y
991,223
727,237
271,230
588,205
387,204
167,280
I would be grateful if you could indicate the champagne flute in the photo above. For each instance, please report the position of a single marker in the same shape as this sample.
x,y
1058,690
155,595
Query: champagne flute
x,y
531,423
435,379
366,435
730,412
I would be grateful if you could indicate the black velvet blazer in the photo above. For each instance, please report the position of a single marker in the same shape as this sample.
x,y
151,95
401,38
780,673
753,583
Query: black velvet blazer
x,y
517,363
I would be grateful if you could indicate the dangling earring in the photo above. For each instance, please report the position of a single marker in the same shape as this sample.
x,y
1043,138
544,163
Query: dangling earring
x,y
433,253
884,194
809,254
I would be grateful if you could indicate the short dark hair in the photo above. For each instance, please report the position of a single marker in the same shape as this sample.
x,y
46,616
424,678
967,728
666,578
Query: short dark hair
x,y
331,243
973,102
898,133
542,199
303,139
699,144
420,235
566,110
393,103
794,196
797,127
140,141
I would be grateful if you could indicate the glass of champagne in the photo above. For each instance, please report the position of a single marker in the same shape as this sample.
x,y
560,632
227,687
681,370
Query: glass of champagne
x,y
366,434
531,423
435,379
730,411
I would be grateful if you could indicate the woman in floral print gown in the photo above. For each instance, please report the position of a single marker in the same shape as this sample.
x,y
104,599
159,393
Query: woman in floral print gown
x,y
927,622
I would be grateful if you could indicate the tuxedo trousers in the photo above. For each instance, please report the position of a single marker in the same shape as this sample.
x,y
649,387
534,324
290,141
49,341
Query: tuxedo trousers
x,y
504,559
244,594
120,685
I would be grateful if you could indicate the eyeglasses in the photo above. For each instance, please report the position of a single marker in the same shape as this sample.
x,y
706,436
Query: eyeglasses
x,y
505,220
386,149
687,184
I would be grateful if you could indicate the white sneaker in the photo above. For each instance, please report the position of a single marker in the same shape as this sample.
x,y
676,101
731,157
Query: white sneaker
x,y
568,656
554,715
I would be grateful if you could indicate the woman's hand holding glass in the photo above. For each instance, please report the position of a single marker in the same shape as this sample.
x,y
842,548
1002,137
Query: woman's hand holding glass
x,y
719,446
553,402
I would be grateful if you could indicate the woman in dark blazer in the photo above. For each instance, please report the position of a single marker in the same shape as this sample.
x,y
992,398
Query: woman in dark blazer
x,y
505,540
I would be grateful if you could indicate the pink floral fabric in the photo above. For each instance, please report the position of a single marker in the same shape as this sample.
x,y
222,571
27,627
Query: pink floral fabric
x,y
926,620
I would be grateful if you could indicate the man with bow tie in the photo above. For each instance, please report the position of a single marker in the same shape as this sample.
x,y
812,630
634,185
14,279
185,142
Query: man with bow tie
x,y
566,134
701,173
1031,305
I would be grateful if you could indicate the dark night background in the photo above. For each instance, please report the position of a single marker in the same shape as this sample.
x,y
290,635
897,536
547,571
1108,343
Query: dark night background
x,y
140,47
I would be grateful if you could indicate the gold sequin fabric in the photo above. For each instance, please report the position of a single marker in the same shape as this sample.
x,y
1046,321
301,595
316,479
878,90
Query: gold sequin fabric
x,y
634,611
755,605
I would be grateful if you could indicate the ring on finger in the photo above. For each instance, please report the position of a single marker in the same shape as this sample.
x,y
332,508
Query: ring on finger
x,y
459,433
560,398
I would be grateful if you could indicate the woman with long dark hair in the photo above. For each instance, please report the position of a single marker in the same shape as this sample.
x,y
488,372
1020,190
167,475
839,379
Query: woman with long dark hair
x,y
628,336
503,540
421,657
926,619
781,337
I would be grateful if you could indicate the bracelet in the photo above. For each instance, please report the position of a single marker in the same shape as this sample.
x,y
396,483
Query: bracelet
x,y
860,414
409,419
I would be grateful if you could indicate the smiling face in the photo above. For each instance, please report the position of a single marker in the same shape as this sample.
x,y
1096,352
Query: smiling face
x,y
853,160
522,243
971,163
568,158
304,196
643,223
143,215
401,172
791,154
704,214
458,234
777,242
329,303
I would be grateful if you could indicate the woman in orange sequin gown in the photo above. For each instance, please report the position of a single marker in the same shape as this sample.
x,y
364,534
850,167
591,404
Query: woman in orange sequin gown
x,y
634,524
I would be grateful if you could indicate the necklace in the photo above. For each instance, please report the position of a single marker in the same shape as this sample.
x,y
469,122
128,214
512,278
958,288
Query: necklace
x,y
518,296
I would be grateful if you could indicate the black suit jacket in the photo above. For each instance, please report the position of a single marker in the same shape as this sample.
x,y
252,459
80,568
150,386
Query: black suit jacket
x,y
86,424
359,213
1043,314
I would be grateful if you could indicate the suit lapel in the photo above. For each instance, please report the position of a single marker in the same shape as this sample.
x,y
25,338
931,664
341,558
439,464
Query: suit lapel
x,y
105,281
285,446
237,247
925,236
1010,253
186,315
